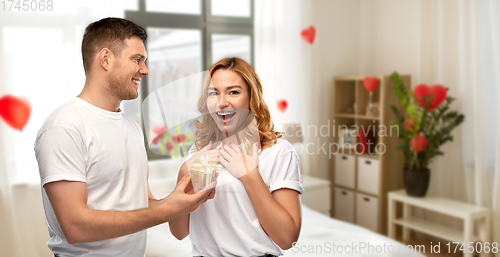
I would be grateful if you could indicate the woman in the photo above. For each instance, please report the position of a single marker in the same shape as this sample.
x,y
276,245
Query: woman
x,y
256,210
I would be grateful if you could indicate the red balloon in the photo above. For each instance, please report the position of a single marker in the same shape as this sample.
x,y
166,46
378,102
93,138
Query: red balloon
x,y
370,83
439,93
419,143
308,34
434,95
282,104
15,111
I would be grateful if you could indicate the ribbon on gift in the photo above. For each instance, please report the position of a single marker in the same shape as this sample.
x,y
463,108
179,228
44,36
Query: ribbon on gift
x,y
203,172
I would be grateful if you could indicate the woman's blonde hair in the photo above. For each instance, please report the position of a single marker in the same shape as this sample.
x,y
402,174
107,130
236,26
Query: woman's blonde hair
x,y
209,130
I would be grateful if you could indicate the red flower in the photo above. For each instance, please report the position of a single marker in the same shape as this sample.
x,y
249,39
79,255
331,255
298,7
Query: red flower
x,y
197,132
179,139
169,146
158,129
419,143
409,123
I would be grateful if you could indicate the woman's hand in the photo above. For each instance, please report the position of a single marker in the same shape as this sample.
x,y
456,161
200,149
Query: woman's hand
x,y
208,151
237,162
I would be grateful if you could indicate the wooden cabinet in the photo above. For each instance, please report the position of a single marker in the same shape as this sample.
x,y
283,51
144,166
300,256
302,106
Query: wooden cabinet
x,y
344,205
344,165
362,179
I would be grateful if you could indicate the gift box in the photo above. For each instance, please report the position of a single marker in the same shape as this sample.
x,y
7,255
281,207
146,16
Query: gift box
x,y
203,173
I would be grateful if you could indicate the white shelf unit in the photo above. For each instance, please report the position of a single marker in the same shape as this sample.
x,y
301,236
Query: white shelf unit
x,y
467,212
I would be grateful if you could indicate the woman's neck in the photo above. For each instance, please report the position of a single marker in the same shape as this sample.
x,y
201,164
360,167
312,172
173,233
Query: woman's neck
x,y
238,138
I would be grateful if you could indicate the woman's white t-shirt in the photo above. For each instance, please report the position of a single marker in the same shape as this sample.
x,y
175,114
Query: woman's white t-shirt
x,y
227,225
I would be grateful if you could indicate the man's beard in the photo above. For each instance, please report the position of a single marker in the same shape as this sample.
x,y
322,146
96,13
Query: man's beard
x,y
121,88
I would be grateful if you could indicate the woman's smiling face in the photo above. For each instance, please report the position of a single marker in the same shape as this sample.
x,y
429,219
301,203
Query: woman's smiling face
x,y
228,100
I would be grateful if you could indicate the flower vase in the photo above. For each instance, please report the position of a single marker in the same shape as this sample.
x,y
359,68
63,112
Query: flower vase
x,y
369,105
416,182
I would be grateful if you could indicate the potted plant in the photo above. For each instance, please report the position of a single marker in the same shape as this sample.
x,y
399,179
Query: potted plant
x,y
425,123
174,144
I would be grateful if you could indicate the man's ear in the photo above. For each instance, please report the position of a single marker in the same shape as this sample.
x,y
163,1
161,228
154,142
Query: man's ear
x,y
105,58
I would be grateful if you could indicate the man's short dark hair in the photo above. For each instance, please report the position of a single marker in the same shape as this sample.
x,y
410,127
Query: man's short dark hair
x,y
108,33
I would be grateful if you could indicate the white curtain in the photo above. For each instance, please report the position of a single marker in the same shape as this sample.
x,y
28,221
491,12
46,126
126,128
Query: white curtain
x,y
479,59
283,62
459,48
40,59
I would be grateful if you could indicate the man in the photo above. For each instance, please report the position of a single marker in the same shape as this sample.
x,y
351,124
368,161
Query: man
x,y
92,159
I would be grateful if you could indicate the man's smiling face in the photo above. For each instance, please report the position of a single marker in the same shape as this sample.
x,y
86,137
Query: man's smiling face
x,y
128,70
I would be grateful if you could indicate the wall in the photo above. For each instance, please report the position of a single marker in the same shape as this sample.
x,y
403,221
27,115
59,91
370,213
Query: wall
x,y
334,53
5,240
366,37
389,37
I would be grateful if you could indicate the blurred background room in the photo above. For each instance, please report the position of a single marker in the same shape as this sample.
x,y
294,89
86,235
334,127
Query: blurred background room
x,y
297,48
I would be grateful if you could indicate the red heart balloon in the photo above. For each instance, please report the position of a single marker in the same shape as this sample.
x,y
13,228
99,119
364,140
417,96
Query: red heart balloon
x,y
370,83
15,111
282,104
308,34
419,143
439,93
421,93
434,95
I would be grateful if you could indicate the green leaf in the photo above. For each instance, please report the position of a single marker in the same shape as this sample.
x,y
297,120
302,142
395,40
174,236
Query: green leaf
x,y
400,90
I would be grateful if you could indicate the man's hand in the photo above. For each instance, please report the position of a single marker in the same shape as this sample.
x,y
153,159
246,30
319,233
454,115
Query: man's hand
x,y
183,200
81,224
180,226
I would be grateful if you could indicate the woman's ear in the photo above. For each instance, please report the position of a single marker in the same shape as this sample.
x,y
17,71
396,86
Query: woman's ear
x,y
105,56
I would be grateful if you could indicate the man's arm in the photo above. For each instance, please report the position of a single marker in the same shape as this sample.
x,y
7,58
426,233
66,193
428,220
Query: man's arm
x,y
179,227
81,224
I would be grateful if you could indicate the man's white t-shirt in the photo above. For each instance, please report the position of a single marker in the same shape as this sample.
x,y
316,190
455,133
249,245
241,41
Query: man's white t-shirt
x,y
227,225
81,142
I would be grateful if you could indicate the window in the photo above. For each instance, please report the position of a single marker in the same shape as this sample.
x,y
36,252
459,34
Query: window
x,y
184,39
40,60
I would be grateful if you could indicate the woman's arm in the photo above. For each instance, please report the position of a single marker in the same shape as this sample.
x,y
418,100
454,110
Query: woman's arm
x,y
180,227
279,213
